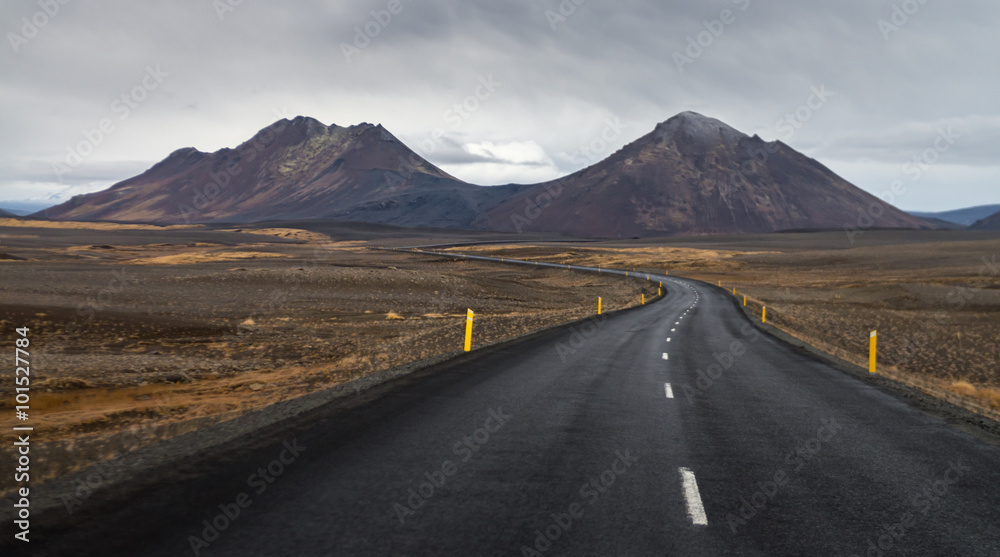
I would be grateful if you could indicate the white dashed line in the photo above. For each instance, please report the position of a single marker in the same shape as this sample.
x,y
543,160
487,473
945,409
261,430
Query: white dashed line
x,y
668,339
669,390
666,356
696,511
672,330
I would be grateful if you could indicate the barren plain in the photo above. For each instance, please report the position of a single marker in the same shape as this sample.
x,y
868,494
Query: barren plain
x,y
140,333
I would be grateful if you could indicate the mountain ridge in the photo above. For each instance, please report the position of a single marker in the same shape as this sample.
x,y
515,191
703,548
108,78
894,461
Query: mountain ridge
x,y
691,175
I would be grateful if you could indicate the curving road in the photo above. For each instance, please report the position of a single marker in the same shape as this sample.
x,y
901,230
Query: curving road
x,y
672,429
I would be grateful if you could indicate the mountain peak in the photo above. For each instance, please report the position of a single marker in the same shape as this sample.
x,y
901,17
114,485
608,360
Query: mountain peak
x,y
699,129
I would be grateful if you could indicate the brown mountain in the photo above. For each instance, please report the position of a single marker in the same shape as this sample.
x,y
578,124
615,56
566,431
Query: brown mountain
x,y
293,169
989,223
691,175
696,175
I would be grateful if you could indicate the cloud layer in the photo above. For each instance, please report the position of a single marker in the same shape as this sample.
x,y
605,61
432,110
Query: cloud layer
x,y
497,92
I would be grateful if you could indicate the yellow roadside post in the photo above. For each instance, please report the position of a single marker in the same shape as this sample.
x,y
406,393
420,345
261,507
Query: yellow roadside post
x,y
643,299
468,330
744,301
763,315
598,305
734,291
872,352
720,284
659,291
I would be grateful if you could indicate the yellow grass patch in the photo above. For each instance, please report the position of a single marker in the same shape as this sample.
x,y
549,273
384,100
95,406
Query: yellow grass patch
x,y
963,388
290,233
75,225
202,257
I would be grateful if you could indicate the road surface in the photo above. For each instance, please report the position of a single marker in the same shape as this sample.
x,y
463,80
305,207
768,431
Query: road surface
x,y
676,428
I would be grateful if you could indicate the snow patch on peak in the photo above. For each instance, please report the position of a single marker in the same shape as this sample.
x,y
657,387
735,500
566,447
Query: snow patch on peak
x,y
699,129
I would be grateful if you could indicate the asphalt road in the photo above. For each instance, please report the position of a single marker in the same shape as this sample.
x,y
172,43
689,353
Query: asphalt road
x,y
672,429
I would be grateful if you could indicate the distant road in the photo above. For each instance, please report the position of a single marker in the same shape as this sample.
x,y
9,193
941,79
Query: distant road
x,y
676,428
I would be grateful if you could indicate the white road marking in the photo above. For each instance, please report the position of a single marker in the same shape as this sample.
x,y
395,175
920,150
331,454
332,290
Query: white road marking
x,y
696,511
672,330
668,339
669,390
666,356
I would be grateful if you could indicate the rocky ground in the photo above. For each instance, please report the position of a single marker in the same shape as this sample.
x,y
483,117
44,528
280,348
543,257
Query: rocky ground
x,y
142,336
934,297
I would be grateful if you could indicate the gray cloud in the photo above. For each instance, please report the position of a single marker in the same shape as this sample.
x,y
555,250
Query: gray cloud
x,y
227,77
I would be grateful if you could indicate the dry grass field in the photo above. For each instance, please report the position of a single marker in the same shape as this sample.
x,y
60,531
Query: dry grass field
x,y
141,334
934,297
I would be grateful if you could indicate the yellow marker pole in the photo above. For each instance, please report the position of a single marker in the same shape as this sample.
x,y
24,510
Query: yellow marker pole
x,y
468,330
659,291
626,273
744,301
720,284
763,315
598,305
872,352
734,291
643,299
666,273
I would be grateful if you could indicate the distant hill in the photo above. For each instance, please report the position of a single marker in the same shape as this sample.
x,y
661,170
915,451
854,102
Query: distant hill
x,y
7,214
691,175
965,217
696,175
991,222
293,169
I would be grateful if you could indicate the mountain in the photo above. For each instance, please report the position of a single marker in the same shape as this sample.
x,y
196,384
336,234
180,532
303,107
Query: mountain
x,y
696,175
991,222
7,214
691,175
965,217
293,169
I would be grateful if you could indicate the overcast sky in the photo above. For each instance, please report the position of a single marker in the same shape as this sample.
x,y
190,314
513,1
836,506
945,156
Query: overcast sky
x,y
517,91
